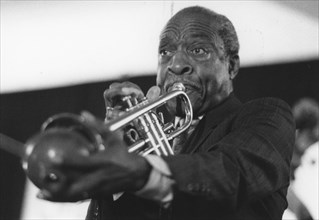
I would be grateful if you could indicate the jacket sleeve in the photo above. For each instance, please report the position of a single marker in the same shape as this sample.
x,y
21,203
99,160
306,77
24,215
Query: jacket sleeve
x,y
250,161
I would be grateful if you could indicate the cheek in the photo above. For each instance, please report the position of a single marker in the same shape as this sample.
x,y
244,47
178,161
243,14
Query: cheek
x,y
214,86
214,77
196,99
160,78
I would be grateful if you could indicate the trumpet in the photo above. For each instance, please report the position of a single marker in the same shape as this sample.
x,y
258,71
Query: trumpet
x,y
68,134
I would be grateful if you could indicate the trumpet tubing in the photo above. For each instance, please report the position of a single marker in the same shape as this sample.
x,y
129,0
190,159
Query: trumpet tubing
x,y
66,134
156,134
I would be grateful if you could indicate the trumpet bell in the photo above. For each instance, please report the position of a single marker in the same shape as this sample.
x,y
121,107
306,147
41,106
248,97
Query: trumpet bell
x,y
62,138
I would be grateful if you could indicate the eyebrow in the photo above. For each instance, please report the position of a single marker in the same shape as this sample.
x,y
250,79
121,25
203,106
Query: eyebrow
x,y
163,44
191,38
166,40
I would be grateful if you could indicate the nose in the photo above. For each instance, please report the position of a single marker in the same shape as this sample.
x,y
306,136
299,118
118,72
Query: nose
x,y
179,65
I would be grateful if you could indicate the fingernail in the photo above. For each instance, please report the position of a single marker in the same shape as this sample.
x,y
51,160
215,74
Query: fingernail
x,y
43,194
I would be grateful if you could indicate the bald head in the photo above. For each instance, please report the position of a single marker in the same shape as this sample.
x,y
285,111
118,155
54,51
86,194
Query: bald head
x,y
214,23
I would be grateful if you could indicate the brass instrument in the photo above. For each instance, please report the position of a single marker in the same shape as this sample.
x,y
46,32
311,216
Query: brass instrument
x,y
67,134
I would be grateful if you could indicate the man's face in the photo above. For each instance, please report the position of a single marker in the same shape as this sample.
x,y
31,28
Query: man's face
x,y
191,52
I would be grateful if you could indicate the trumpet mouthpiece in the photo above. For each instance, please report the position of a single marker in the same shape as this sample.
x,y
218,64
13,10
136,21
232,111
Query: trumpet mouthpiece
x,y
178,86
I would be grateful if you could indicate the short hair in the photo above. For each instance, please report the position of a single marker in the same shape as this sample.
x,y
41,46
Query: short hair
x,y
306,113
225,28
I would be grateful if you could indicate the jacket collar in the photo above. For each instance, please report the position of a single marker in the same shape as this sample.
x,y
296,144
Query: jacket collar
x,y
210,121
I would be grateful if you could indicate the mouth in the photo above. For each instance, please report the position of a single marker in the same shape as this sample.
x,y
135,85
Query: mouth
x,y
189,86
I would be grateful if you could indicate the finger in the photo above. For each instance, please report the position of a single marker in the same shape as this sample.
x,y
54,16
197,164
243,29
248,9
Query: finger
x,y
153,93
134,92
124,84
110,138
115,147
47,195
112,113
119,90
114,85
89,184
93,122
111,94
98,184
102,129
88,116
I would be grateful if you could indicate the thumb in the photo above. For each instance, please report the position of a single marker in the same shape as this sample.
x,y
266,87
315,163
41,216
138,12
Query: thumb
x,y
153,93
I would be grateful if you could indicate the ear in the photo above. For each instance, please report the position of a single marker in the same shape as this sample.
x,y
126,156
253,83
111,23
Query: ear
x,y
234,63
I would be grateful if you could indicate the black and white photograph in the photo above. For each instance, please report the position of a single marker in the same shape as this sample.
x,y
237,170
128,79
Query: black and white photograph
x,y
159,110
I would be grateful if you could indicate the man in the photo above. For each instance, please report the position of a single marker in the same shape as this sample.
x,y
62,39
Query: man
x,y
235,164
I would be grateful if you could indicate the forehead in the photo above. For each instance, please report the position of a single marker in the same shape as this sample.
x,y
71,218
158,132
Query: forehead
x,y
191,26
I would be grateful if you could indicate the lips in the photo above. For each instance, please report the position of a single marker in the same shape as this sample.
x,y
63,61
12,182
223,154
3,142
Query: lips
x,y
189,85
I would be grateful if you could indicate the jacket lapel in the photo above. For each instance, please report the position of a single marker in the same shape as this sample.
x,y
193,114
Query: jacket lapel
x,y
210,121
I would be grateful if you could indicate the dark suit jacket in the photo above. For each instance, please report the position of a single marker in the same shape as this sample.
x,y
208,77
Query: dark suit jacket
x,y
235,166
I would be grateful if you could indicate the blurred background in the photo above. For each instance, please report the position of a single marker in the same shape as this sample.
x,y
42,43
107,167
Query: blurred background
x,y
59,56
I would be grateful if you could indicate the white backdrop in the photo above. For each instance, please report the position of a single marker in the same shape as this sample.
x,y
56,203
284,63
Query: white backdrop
x,y
55,43
48,44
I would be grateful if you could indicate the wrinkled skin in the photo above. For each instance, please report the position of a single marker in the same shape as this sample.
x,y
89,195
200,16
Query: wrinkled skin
x,y
190,52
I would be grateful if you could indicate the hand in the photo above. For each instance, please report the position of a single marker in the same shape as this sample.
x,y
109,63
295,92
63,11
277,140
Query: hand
x,y
116,91
113,97
102,173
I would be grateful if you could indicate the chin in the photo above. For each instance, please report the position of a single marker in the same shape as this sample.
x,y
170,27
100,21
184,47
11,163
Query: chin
x,y
197,104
